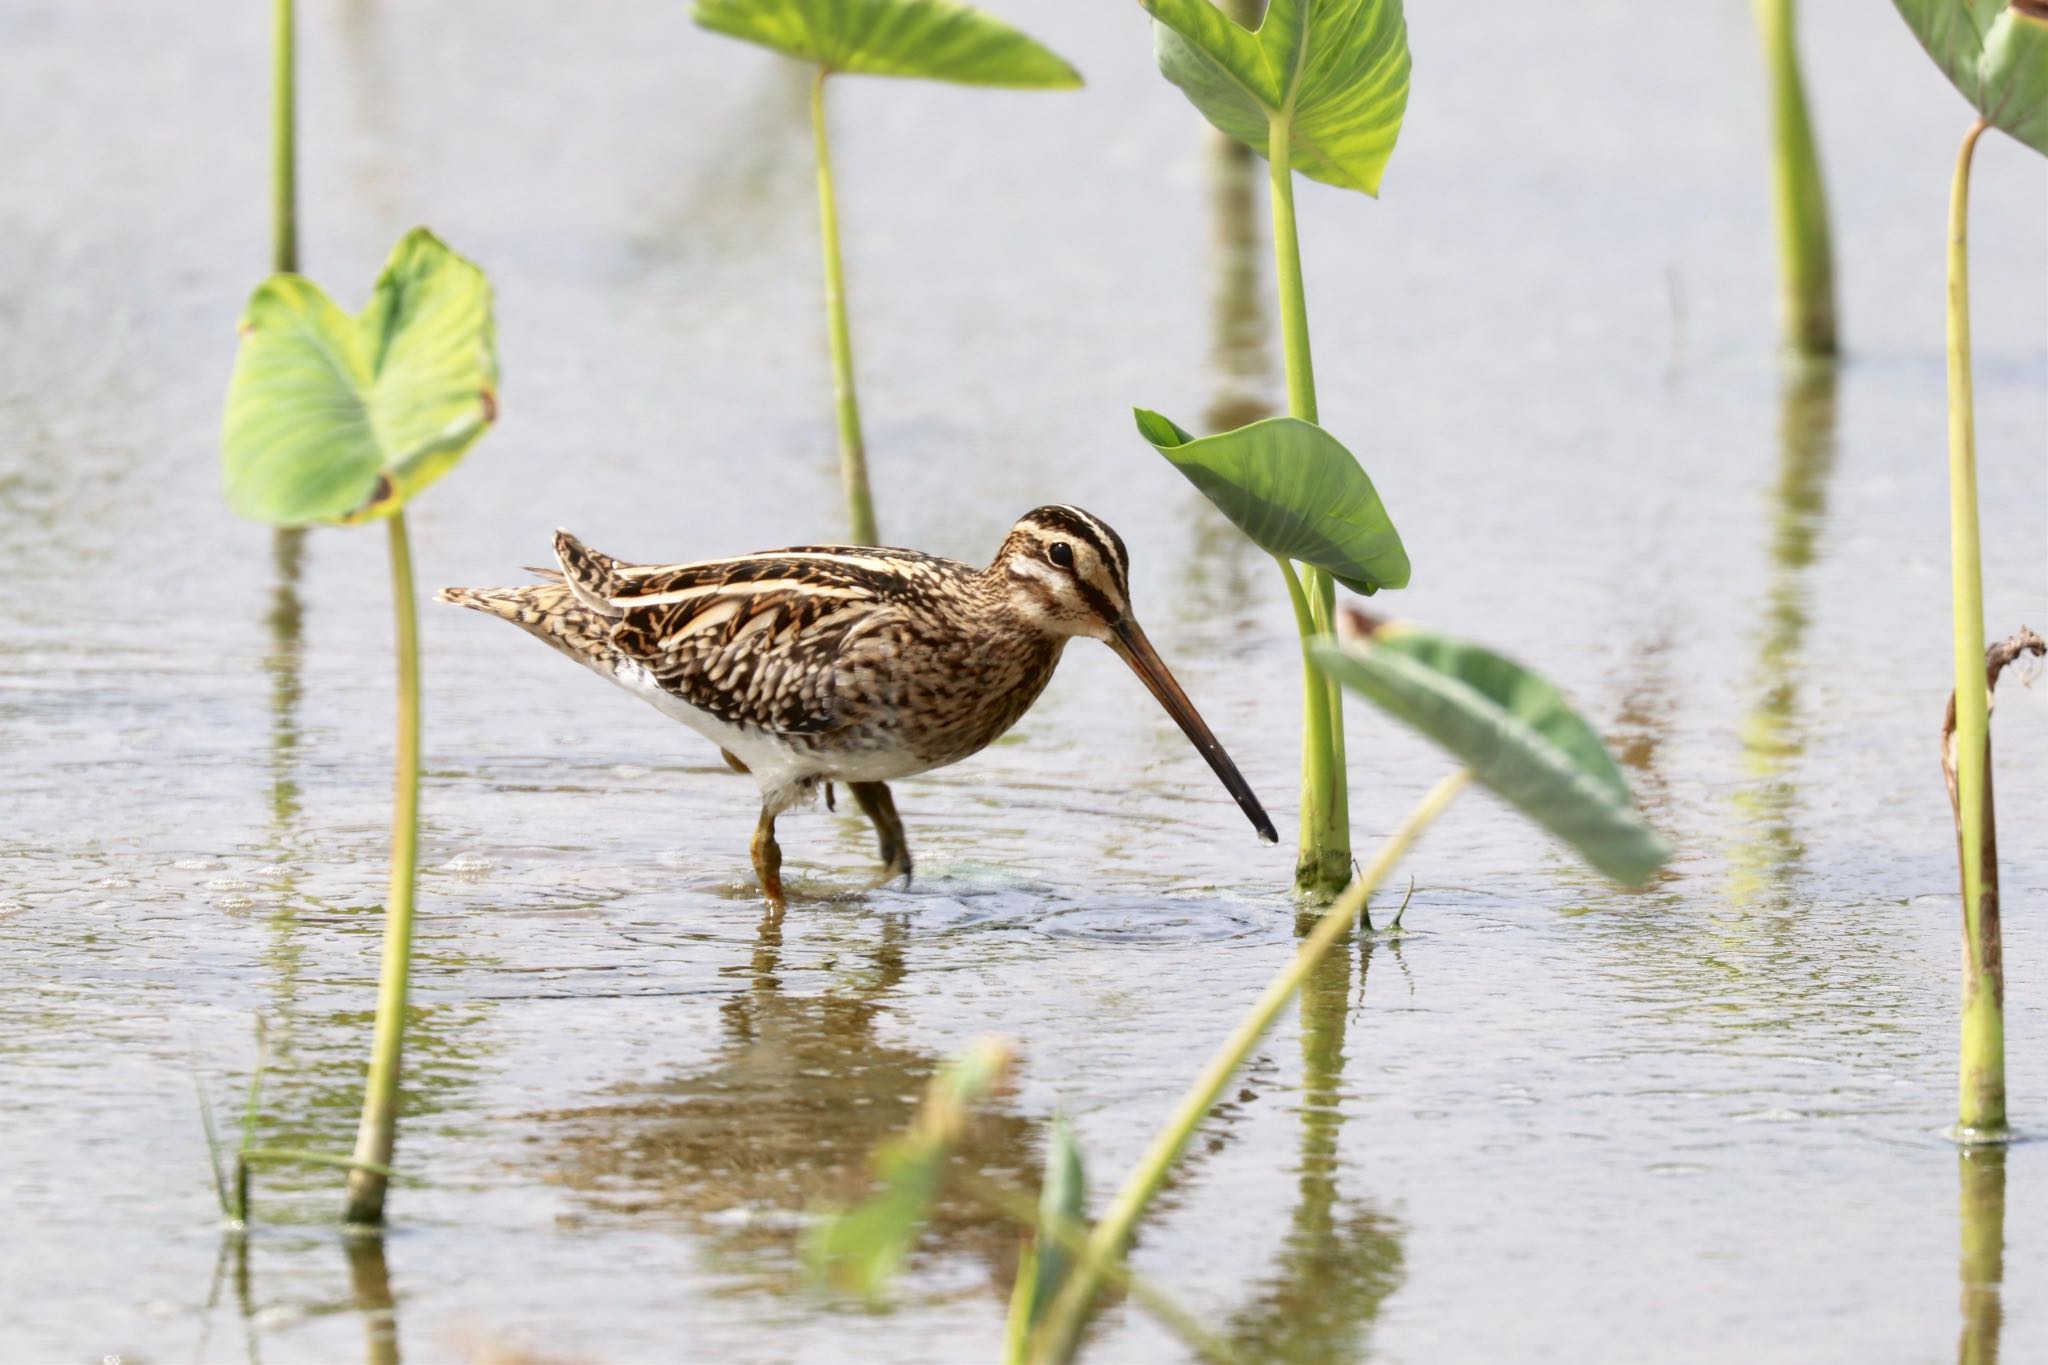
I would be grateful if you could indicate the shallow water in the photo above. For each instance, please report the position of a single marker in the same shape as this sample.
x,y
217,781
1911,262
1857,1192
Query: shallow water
x,y
1550,1121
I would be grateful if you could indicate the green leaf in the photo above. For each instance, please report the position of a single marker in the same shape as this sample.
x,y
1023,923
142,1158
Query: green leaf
x,y
1296,491
937,40
1333,72
1513,729
338,419
1996,53
1062,1205
862,1249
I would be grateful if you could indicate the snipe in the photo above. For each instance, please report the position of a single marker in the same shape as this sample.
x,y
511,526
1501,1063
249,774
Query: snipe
x,y
855,664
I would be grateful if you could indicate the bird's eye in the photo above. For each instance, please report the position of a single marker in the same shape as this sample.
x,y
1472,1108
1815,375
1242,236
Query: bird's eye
x,y
1061,554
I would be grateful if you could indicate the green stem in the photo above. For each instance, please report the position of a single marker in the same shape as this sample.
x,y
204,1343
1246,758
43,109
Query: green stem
x,y
853,458
284,175
1805,254
1323,863
376,1135
1981,1104
1112,1235
1301,376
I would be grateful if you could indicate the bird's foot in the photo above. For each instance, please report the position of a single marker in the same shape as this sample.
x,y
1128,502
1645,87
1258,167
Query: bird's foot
x,y
890,872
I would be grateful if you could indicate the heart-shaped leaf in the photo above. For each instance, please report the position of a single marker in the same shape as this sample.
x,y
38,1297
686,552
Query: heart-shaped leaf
x,y
1334,72
341,419
938,40
1996,53
1513,729
1296,491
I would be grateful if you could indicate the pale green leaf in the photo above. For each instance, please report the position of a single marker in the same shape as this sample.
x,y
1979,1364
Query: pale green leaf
x,y
1513,729
331,418
939,40
861,1249
1062,1205
1296,491
1332,73
1996,53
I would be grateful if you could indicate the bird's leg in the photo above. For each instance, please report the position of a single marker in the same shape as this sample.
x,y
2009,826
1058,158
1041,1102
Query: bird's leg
x,y
768,860
880,807
732,761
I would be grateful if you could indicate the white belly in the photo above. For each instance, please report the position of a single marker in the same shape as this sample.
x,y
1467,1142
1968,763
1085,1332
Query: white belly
x,y
778,768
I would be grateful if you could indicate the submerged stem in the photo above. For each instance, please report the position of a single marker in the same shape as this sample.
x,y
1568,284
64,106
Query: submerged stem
x,y
853,458
284,176
1107,1243
1806,255
1981,1088
376,1135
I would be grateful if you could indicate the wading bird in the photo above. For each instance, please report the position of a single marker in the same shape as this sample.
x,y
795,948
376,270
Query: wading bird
x,y
847,663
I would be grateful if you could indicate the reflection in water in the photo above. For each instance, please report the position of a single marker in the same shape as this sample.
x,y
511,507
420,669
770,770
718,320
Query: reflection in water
x,y
1768,853
1339,1262
368,64
782,1118
1241,337
233,1258
747,200
369,1298
369,1287
1983,1261
1221,568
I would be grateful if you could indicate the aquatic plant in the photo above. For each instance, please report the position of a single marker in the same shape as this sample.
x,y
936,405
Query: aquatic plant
x,y
939,40
1996,54
284,161
1508,729
1805,252
340,420
1319,89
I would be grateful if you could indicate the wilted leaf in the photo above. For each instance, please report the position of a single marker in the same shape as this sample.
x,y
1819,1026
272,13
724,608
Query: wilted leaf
x,y
1296,491
1513,729
338,418
1335,71
939,40
1996,53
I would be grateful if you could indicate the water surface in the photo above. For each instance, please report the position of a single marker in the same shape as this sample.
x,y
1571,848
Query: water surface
x,y
1550,1122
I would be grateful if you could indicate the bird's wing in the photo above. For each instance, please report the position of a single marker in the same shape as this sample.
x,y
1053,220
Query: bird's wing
x,y
764,640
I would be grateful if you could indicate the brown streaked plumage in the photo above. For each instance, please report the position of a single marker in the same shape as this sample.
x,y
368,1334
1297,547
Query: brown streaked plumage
x,y
846,663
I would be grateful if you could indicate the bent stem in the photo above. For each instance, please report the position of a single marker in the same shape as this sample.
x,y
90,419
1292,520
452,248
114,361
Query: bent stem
x,y
284,178
1806,256
853,458
1981,1099
375,1137
1323,863
1112,1235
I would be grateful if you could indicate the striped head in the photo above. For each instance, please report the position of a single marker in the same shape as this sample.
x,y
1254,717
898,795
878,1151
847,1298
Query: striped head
x,y
1065,572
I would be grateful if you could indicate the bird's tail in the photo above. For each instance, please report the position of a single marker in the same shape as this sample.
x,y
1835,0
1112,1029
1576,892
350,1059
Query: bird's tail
x,y
550,612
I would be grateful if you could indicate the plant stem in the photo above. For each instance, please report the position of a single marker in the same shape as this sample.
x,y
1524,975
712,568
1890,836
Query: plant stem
x,y
1107,1243
1301,376
1981,1103
284,174
853,458
1323,863
376,1135
1805,255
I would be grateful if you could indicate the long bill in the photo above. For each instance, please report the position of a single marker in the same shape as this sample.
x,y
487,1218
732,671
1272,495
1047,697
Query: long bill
x,y
1131,645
